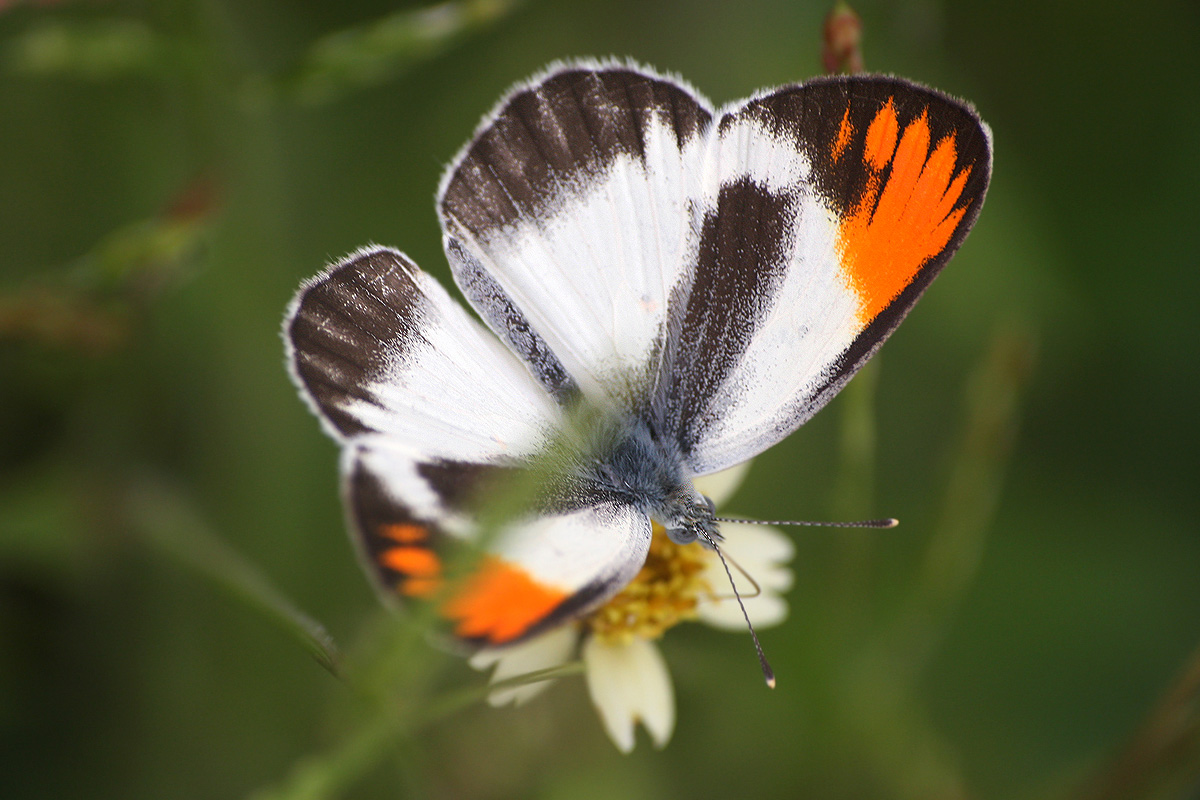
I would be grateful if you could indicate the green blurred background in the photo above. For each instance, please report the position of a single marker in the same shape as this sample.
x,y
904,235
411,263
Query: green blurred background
x,y
170,170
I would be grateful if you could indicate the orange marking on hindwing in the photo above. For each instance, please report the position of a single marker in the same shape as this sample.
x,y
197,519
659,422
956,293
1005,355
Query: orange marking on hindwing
x,y
416,562
420,567
500,602
420,587
844,134
405,532
898,225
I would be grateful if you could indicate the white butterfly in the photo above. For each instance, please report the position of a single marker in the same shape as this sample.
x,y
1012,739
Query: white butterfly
x,y
707,278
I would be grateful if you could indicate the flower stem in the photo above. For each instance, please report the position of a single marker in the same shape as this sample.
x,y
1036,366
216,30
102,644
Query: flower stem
x,y
853,494
331,774
994,397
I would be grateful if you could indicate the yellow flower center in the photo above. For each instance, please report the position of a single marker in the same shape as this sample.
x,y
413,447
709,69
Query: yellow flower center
x,y
663,594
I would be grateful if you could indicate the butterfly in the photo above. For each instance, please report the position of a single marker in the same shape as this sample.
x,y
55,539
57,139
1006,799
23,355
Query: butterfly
x,y
708,278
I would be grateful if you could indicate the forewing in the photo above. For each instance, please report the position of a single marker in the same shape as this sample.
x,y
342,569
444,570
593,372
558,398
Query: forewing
x,y
551,565
567,220
378,347
829,208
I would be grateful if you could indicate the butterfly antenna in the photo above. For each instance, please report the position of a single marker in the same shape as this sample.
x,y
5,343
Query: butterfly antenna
x,y
768,673
890,522
741,571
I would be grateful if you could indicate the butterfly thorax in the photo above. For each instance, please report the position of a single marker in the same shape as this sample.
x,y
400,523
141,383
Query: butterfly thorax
x,y
630,459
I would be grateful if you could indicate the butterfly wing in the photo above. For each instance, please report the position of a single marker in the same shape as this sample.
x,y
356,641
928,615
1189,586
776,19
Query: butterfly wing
x,y
567,219
432,412
828,209
379,348
540,570
723,276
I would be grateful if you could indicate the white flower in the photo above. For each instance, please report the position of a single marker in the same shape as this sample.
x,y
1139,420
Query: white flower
x,y
541,652
763,553
629,683
626,674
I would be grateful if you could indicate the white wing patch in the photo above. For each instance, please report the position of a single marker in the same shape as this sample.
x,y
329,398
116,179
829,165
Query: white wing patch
x,y
810,317
605,543
576,198
382,351
594,275
456,391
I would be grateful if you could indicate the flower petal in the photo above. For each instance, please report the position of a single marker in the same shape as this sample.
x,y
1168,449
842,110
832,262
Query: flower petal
x,y
541,652
630,683
720,486
764,611
763,553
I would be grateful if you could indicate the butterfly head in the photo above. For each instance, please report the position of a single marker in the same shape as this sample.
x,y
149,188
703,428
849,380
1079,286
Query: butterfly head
x,y
691,517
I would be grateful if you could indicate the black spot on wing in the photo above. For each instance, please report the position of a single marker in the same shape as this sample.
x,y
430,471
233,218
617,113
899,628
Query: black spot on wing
x,y
385,522
346,322
549,140
742,257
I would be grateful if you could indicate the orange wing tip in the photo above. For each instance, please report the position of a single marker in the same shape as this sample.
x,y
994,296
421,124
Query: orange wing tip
x,y
500,603
899,224
881,137
844,135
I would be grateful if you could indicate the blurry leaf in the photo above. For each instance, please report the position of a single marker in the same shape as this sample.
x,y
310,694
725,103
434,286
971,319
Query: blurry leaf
x,y
855,484
330,774
900,744
61,319
1162,760
853,494
373,53
90,305
42,527
145,255
94,50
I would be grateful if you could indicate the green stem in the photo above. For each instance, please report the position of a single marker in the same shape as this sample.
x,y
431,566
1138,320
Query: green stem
x,y
994,396
853,494
331,774
384,48
455,701
166,520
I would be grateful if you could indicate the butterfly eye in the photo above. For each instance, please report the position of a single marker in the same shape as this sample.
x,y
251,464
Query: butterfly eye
x,y
712,507
682,535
